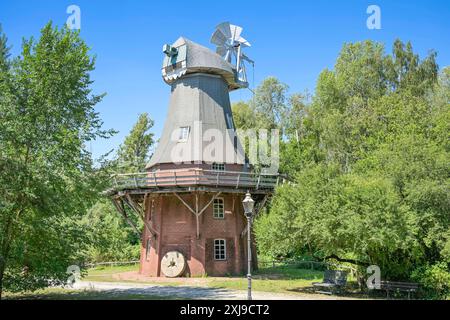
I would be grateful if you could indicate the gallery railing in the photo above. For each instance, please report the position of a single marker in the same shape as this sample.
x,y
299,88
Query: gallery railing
x,y
192,177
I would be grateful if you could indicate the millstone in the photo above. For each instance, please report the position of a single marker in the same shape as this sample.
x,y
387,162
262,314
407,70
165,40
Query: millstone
x,y
173,264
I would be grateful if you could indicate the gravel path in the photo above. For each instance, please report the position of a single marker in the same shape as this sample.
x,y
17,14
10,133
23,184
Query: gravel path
x,y
192,292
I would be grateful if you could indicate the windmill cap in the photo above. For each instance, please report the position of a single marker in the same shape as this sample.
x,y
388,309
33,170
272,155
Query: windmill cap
x,y
185,57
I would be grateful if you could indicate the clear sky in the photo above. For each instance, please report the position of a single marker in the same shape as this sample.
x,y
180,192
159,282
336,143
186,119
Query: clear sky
x,y
292,40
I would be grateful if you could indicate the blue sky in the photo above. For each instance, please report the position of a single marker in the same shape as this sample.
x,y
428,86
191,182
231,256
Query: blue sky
x,y
292,40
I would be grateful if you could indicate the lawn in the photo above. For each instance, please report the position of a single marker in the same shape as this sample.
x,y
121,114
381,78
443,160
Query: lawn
x,y
282,279
279,279
105,273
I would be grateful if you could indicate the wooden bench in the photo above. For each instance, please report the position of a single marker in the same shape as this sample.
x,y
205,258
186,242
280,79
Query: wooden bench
x,y
409,287
333,280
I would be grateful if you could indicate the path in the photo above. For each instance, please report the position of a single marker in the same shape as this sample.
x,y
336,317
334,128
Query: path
x,y
192,292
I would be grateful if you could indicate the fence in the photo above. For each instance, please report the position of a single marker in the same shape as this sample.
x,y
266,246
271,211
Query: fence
x,y
111,264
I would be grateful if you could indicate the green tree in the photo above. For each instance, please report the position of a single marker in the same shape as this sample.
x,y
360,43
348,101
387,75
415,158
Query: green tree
x,y
371,167
112,238
4,50
243,116
133,154
269,104
47,181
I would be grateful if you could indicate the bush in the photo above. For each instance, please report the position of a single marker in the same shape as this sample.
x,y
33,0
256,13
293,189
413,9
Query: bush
x,y
434,280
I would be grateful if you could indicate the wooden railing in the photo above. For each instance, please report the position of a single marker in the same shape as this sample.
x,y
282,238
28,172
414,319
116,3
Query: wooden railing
x,y
192,177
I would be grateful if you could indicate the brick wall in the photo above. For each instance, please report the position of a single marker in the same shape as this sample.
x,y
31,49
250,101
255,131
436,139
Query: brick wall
x,y
178,231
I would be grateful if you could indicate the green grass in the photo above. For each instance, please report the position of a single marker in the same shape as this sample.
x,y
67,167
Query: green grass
x,y
280,279
105,273
283,279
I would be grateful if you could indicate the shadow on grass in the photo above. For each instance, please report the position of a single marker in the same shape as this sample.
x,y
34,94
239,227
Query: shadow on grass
x,y
350,291
135,293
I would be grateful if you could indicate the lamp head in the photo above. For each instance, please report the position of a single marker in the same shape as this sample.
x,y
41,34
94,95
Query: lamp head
x,y
248,204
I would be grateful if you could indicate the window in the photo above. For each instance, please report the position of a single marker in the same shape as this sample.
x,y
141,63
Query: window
x,y
220,249
218,209
184,134
218,166
229,121
147,249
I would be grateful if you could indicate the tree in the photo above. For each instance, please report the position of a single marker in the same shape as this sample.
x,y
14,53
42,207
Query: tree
x,y
48,182
243,116
4,51
371,167
269,104
112,239
133,154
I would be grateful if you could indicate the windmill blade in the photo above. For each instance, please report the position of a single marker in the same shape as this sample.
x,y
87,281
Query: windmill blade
x,y
243,42
227,38
218,38
222,51
224,27
235,32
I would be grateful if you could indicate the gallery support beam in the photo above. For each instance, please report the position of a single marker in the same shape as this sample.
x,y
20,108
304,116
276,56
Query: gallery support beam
x,y
136,207
196,211
118,203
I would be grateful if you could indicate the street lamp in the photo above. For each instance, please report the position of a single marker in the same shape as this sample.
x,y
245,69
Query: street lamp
x,y
248,204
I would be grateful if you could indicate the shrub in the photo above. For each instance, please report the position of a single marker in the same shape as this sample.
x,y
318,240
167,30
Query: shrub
x,y
434,280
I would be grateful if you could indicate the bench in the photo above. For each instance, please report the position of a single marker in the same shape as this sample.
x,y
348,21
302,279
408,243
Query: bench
x,y
333,280
408,287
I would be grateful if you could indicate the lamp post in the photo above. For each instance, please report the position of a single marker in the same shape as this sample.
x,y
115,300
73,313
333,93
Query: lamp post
x,y
248,204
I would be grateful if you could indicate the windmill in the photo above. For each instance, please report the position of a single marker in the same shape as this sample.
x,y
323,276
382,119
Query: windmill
x,y
227,38
189,197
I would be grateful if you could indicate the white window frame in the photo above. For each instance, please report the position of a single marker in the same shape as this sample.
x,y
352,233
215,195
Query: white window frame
x,y
216,214
183,134
215,168
218,246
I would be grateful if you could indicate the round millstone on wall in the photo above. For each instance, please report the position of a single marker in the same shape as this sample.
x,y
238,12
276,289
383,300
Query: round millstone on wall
x,y
173,264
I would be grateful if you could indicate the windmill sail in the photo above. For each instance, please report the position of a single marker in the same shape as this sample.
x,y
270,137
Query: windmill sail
x,y
227,38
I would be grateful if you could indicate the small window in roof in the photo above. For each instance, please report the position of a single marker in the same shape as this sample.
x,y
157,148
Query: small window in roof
x,y
229,121
183,134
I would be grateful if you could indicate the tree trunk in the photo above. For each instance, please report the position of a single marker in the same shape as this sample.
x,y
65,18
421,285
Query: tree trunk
x,y
4,250
2,273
